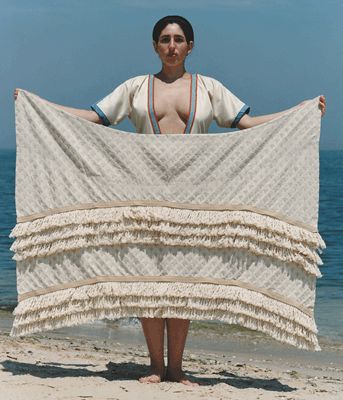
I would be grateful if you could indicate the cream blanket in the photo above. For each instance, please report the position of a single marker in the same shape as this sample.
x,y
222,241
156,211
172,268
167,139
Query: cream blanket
x,y
202,226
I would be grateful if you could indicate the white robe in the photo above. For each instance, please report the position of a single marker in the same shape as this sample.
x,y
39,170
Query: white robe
x,y
210,100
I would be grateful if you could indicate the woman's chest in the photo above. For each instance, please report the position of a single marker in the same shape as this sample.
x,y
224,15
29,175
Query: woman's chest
x,y
189,102
172,100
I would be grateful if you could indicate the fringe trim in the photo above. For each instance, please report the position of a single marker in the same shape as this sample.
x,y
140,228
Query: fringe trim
x,y
151,239
137,300
162,228
188,301
194,218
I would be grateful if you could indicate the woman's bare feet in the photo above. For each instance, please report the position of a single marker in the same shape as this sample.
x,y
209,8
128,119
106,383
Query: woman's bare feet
x,y
156,376
179,376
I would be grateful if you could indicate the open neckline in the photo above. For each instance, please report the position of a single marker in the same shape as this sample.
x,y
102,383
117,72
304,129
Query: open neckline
x,y
191,109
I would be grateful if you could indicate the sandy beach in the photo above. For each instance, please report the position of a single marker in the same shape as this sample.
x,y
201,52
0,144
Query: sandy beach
x,y
104,361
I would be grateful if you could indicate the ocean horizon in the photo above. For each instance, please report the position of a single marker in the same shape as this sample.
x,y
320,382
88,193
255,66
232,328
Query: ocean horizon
x,y
329,293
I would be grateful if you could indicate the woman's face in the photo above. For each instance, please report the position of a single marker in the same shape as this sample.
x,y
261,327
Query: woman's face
x,y
172,46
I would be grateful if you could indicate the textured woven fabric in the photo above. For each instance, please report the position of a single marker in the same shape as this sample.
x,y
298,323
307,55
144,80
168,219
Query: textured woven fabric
x,y
201,226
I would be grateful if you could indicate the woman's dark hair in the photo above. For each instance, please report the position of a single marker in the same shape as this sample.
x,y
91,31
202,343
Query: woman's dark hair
x,y
173,19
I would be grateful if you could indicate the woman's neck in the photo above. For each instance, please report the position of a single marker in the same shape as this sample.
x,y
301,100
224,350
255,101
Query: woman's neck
x,y
171,74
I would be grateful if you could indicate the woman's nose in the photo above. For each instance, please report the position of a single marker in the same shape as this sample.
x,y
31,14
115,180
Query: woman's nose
x,y
172,44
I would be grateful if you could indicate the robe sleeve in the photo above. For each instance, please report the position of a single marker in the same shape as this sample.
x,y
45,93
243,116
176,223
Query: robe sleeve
x,y
227,108
116,105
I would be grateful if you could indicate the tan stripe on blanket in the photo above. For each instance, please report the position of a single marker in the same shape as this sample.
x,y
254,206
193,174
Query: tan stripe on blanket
x,y
182,279
163,203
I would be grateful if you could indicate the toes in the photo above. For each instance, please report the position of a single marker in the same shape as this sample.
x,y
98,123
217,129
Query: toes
x,y
188,382
181,379
150,379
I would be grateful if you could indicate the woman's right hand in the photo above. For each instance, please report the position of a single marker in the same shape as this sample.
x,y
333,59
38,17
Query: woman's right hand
x,y
16,92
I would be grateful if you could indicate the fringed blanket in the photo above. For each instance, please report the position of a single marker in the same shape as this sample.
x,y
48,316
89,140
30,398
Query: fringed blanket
x,y
201,226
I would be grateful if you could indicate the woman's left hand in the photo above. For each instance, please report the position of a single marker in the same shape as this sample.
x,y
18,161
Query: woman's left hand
x,y
322,105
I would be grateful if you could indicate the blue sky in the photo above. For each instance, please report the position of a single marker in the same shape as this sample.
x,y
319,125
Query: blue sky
x,y
271,53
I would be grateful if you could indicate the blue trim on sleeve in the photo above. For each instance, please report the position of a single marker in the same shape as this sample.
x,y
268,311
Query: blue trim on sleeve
x,y
101,114
244,110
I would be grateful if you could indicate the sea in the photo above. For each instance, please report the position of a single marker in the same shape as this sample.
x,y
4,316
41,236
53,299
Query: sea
x,y
329,293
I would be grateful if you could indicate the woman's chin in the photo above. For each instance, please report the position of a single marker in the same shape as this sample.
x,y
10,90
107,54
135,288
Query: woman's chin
x,y
173,62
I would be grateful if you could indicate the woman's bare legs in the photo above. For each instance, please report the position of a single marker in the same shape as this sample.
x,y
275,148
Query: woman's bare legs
x,y
177,330
153,329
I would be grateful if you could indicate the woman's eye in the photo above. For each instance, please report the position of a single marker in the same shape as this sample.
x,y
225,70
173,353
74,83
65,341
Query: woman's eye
x,y
167,40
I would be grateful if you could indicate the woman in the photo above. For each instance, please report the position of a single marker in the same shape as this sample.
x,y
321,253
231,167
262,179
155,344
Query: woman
x,y
172,101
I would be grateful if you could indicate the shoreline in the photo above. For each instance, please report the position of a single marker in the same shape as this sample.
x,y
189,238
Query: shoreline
x,y
103,360
207,335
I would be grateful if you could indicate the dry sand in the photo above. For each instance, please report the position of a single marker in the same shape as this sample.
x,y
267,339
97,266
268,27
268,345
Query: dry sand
x,y
80,363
